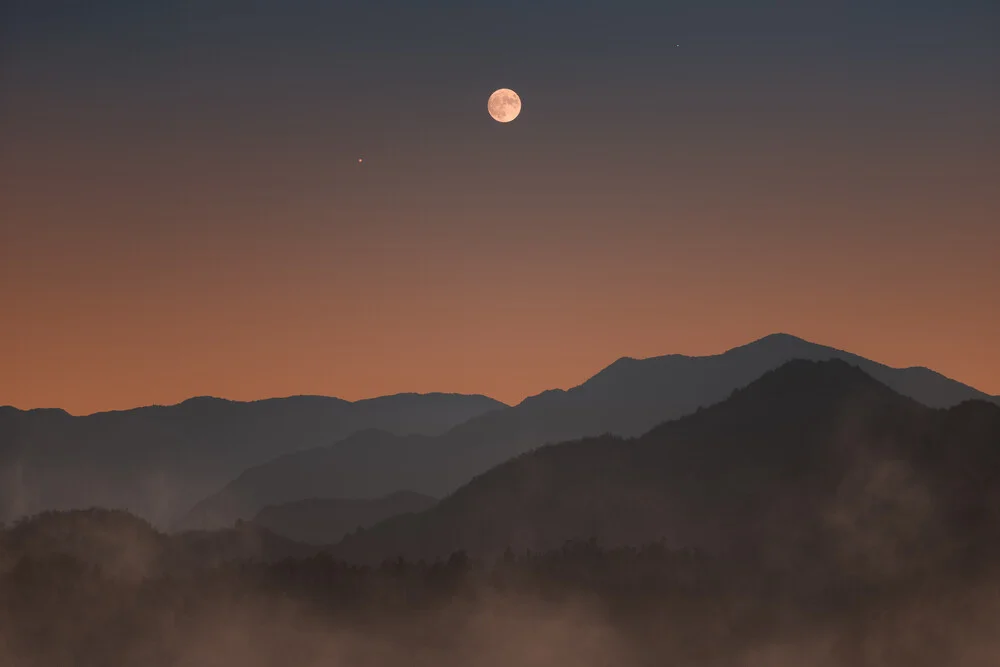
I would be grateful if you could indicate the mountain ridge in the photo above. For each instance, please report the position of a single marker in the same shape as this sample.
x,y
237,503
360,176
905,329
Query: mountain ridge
x,y
209,399
790,456
625,398
158,461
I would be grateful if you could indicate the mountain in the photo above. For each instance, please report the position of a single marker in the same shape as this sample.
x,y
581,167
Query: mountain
x,y
328,520
815,465
127,547
627,398
158,461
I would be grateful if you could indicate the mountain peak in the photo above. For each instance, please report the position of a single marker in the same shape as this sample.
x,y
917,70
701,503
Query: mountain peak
x,y
808,375
205,400
810,387
780,343
778,336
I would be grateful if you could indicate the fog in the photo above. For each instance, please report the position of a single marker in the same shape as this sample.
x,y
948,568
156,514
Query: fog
x,y
580,606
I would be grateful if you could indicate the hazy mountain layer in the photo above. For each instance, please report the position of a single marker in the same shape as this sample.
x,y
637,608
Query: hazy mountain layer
x,y
121,546
627,398
327,520
815,465
158,461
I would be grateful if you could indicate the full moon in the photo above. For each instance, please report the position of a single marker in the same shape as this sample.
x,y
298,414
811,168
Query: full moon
x,y
504,105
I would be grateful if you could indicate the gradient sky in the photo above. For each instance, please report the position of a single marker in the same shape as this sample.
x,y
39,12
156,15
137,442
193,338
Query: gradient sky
x,y
182,211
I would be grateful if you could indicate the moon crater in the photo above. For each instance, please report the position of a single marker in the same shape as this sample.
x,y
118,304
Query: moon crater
x,y
504,105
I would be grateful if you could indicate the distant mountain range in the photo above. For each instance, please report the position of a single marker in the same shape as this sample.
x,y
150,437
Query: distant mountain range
x,y
627,398
328,520
158,461
815,465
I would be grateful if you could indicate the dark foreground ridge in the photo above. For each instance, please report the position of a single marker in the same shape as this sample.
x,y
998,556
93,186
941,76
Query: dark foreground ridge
x,y
806,463
328,520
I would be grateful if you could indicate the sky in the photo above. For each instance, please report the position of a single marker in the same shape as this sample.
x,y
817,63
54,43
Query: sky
x,y
183,211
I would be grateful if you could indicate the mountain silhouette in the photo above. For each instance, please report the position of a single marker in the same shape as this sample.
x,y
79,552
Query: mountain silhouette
x,y
627,398
124,546
815,465
327,520
158,461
